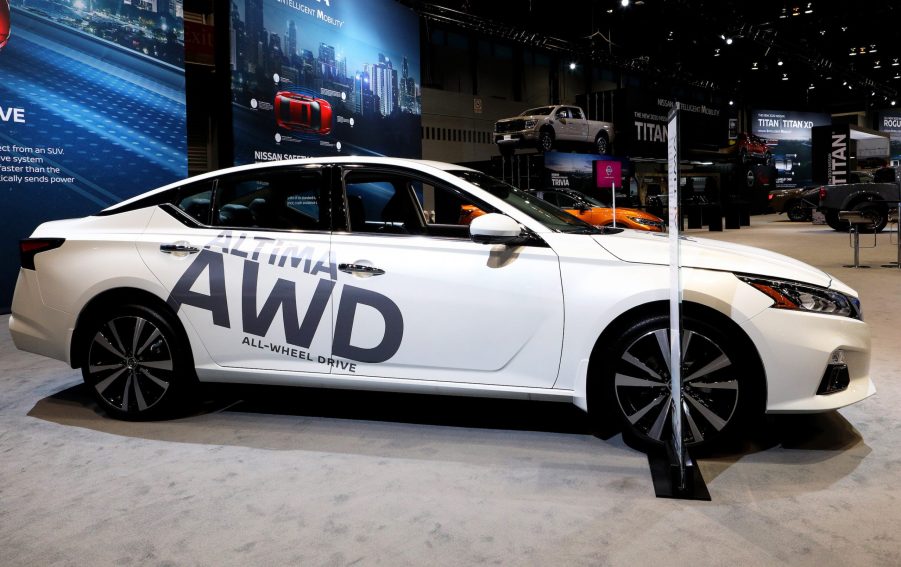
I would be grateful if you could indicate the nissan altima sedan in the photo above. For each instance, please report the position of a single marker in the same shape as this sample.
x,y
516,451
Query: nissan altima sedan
x,y
353,272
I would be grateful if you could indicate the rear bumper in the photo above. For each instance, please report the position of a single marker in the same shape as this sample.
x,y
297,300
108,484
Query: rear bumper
x,y
34,326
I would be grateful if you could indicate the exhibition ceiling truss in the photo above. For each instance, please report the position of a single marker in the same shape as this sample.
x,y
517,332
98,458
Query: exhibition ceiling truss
x,y
816,52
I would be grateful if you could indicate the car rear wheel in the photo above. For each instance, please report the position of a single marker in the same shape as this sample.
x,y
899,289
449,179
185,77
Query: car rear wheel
x,y
718,393
135,366
602,144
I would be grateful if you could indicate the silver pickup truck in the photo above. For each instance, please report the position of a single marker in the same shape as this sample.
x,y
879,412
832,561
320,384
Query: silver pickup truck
x,y
547,127
879,199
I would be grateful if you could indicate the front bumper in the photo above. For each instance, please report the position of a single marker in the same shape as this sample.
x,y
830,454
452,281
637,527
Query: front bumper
x,y
516,139
796,347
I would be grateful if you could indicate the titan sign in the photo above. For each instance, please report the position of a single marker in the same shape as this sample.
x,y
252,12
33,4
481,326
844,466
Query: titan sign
x,y
791,138
92,111
317,78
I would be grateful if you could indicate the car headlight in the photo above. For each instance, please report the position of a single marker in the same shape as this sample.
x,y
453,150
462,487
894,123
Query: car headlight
x,y
530,124
645,222
798,296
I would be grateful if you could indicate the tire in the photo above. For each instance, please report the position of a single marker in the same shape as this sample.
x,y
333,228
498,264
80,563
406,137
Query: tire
x,y
743,157
136,365
834,223
877,212
602,144
719,389
797,212
545,141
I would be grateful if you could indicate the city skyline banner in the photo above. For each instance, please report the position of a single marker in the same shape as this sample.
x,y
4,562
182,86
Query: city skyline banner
x,y
92,105
314,78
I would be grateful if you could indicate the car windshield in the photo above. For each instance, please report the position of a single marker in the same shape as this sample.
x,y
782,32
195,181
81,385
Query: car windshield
x,y
594,201
540,111
540,210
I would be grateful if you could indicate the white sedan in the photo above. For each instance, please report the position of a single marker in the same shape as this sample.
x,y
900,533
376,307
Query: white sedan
x,y
369,273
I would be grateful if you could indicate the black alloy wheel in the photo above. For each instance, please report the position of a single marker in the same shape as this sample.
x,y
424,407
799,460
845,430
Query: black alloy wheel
x,y
134,366
877,212
717,392
545,141
797,212
602,144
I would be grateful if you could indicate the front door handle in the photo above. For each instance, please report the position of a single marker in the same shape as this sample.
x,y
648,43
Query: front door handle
x,y
179,249
360,269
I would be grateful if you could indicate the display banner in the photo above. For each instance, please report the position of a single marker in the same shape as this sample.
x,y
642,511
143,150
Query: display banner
x,y
92,105
565,170
830,154
790,139
325,78
641,121
890,123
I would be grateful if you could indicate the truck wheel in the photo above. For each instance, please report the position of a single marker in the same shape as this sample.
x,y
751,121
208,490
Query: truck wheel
x,y
797,212
545,141
602,144
875,211
834,223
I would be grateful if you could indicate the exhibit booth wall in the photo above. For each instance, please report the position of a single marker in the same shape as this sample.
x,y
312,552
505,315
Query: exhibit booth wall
x,y
93,109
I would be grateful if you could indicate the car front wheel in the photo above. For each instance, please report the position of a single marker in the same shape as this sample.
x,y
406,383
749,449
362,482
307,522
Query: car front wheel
x,y
545,141
135,366
717,390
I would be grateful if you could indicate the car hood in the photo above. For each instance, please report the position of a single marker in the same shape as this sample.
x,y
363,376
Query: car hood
x,y
644,248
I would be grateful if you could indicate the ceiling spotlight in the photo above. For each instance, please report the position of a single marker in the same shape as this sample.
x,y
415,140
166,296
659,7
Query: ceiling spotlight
x,y
779,63
716,52
624,3
844,83
812,86
895,62
783,14
754,66
731,102
844,28
809,9
796,11
728,41
572,66
784,76
877,65
872,49
893,103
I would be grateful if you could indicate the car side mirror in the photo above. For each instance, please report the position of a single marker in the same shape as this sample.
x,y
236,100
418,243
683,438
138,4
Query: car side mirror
x,y
494,228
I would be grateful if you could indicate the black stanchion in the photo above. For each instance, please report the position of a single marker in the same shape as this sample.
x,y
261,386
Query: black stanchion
x,y
694,214
672,481
713,217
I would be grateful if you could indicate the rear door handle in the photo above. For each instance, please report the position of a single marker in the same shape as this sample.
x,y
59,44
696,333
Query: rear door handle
x,y
179,249
360,269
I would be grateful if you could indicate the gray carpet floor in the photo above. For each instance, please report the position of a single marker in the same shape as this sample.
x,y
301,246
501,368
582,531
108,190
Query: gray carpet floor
x,y
300,477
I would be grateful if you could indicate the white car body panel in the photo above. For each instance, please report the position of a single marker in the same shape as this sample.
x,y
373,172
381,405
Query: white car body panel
x,y
477,319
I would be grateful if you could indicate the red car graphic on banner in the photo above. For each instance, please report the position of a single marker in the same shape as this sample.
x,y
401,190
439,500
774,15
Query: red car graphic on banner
x,y
4,23
300,112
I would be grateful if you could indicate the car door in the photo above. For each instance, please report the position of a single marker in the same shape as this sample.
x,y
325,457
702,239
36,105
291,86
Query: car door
x,y
565,129
580,128
417,299
246,261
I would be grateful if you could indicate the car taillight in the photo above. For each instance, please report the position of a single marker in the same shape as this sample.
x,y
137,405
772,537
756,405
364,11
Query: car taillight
x,y
31,247
770,196
822,193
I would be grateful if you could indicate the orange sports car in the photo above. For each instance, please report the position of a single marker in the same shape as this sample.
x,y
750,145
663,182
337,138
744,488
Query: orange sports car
x,y
598,213
586,208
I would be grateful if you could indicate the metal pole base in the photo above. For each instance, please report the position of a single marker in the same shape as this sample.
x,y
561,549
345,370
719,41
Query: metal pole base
x,y
892,265
853,266
672,482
